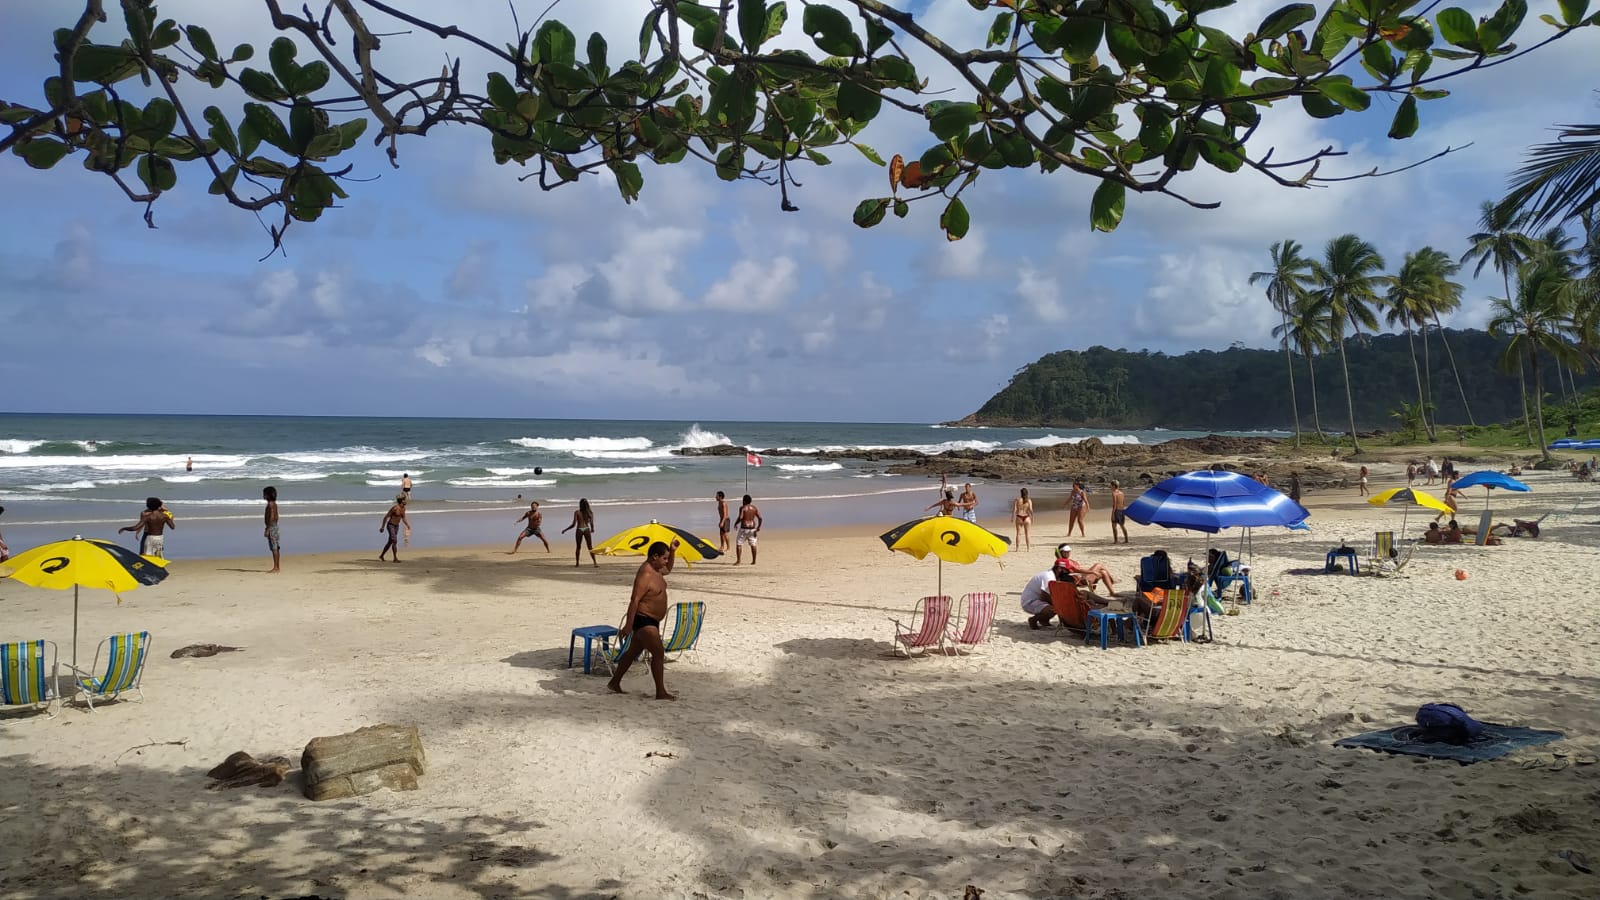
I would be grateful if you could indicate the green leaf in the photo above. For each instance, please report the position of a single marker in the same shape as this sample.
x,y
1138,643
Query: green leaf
x,y
1124,46
158,174
302,125
901,208
224,182
597,55
878,33
266,123
857,102
830,30
647,32
871,154
896,70
1285,20
556,46
1003,76
1457,27
281,55
752,23
630,181
730,163
1054,92
166,34
1272,84
310,78
1418,36
1377,59
1422,94
1320,107
1573,11
869,212
1339,89
1105,211
777,15
954,220
261,86
157,119
350,132
200,40
42,153
951,120
1221,79
102,64
1405,120
241,53
1498,28
1000,31
501,93
1080,36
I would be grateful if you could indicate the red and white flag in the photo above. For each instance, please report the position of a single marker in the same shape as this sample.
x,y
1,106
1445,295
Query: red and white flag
x,y
752,459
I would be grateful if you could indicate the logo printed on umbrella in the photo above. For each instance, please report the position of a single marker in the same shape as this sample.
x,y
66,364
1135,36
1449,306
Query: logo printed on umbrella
x,y
949,538
639,542
54,564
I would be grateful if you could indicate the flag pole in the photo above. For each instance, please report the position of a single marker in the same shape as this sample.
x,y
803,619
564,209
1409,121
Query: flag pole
x,y
747,470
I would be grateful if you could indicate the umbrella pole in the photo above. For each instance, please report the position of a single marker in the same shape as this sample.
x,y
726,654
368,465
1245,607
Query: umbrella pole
x,y
941,576
74,629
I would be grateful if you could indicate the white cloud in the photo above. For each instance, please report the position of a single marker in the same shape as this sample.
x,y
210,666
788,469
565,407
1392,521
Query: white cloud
x,y
754,286
1041,294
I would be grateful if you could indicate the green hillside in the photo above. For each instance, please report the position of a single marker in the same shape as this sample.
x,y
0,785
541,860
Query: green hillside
x,y
1242,389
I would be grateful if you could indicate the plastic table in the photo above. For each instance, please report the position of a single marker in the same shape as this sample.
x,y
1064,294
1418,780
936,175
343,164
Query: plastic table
x,y
588,633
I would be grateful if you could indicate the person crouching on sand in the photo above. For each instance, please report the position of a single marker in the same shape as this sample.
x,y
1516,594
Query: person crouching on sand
x,y
641,624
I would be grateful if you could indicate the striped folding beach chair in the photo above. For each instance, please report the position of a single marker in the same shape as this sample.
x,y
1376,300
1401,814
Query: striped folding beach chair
x,y
687,619
124,669
928,621
973,622
28,674
1171,621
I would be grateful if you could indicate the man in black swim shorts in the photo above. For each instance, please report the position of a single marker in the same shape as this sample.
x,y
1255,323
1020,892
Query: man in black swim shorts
x,y
641,624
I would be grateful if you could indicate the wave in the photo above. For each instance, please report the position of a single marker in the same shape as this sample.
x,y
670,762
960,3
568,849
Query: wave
x,y
390,473
822,467
603,470
393,482
1051,440
572,445
12,445
151,462
353,455
700,438
477,481
654,453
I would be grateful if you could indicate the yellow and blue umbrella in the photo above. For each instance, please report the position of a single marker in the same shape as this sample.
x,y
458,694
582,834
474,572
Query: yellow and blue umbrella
x,y
1409,497
84,562
947,538
636,541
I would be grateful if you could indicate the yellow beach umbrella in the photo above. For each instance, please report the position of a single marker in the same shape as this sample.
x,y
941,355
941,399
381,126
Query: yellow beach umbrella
x,y
1408,497
636,541
83,563
947,538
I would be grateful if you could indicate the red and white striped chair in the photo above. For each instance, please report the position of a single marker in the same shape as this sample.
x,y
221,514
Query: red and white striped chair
x,y
927,629
973,622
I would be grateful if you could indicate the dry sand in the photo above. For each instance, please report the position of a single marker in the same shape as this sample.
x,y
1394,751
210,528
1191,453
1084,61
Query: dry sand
x,y
801,761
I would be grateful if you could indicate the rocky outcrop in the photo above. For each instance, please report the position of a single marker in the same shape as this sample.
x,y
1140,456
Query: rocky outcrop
x,y
363,761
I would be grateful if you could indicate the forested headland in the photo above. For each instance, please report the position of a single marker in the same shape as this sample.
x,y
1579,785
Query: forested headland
x,y
1243,388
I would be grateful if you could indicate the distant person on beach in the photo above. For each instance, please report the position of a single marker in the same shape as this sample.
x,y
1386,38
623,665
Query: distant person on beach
x,y
1077,507
1022,520
1119,514
583,521
189,466
535,519
641,624
393,520
968,504
1091,574
405,483
1411,474
724,524
1453,532
1452,499
749,522
270,494
946,503
1433,535
1294,486
152,523
1362,484
1432,471
5,552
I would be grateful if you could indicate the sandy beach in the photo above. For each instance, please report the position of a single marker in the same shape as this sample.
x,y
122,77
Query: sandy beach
x,y
801,760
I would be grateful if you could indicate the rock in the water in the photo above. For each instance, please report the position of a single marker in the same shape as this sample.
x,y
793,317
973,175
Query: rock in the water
x,y
202,650
349,765
240,769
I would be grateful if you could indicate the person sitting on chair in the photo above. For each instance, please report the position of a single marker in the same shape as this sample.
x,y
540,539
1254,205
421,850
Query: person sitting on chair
x,y
1088,576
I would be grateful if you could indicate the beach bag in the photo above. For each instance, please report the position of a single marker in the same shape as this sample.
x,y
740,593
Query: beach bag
x,y
1448,723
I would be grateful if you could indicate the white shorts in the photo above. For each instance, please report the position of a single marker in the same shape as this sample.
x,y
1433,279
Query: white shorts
x,y
1033,607
154,544
746,536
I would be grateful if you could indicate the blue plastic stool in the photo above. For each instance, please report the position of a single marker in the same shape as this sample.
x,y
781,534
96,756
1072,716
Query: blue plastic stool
x,y
1348,554
588,633
1105,619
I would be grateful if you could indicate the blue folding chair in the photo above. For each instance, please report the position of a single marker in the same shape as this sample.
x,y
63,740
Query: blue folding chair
x,y
28,674
124,669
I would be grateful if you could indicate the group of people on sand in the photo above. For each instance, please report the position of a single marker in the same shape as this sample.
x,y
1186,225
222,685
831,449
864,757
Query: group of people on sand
x,y
748,522
965,505
1036,593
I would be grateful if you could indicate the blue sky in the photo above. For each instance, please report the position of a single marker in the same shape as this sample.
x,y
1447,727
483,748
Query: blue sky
x,y
447,287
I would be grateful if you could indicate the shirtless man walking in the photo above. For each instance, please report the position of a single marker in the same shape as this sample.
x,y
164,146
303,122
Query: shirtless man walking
x,y
749,523
1119,516
641,626
392,520
152,522
270,494
723,522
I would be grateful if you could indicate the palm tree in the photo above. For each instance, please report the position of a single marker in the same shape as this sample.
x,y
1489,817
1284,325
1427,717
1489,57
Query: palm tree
x,y
1538,320
1498,241
1287,282
1347,288
1305,329
1410,301
1559,180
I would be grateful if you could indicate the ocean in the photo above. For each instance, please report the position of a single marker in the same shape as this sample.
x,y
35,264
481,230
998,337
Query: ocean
x,y
65,475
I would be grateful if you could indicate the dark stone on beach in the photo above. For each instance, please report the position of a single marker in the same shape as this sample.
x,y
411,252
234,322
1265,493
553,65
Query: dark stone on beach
x,y
196,650
363,761
241,769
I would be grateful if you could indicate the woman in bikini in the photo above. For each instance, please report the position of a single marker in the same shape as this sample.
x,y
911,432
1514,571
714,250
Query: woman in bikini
x,y
583,520
1077,507
1021,518
946,503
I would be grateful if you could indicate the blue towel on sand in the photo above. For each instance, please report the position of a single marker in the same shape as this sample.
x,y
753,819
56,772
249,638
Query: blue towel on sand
x,y
1495,742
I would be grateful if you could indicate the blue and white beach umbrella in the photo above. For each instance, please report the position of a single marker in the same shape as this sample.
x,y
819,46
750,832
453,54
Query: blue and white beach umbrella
x,y
1210,501
1488,478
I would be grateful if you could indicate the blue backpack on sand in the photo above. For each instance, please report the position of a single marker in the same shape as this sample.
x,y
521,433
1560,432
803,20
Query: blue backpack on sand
x,y
1447,722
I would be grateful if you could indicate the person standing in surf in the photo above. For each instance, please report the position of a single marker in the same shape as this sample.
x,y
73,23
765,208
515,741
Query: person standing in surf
x,y
583,521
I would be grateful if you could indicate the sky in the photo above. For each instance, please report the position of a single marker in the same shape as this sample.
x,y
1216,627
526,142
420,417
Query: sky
x,y
447,287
